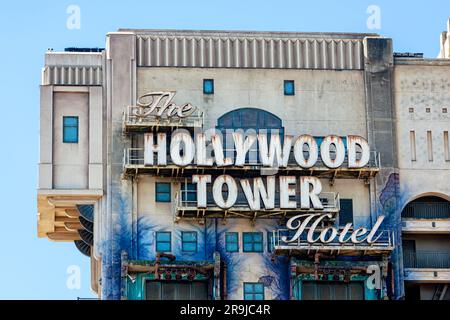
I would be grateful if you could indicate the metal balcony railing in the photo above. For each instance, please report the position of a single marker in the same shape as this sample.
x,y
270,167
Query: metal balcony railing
x,y
426,259
186,199
427,210
135,117
385,240
135,157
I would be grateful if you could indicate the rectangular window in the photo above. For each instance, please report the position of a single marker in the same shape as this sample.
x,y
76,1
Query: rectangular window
x,y
270,243
328,290
289,88
163,241
176,290
232,242
208,86
446,147
70,129
189,194
253,241
412,143
346,212
189,241
253,291
430,145
162,192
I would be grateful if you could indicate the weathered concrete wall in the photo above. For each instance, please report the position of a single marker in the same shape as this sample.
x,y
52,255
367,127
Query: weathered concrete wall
x,y
120,215
325,101
70,160
422,93
378,60
421,99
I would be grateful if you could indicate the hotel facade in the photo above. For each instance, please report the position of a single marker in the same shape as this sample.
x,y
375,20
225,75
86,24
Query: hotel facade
x,y
249,165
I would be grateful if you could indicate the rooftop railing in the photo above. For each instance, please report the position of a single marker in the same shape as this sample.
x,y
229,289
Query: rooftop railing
x,y
135,157
384,240
187,199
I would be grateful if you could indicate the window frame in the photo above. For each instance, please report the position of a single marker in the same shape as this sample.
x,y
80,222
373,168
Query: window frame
x,y
253,242
205,81
157,242
183,242
287,83
270,248
341,224
253,292
189,189
232,233
157,184
70,126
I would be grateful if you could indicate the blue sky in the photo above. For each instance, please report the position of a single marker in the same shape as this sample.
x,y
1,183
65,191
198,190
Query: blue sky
x,y
33,268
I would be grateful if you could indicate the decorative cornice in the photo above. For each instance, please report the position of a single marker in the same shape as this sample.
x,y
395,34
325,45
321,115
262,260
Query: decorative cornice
x,y
72,75
244,51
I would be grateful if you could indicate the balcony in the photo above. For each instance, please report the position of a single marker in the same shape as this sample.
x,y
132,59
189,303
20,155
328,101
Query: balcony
x,y
184,206
426,259
135,120
384,245
426,217
426,266
133,162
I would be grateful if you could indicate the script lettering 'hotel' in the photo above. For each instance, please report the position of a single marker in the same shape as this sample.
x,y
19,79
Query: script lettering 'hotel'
x,y
249,165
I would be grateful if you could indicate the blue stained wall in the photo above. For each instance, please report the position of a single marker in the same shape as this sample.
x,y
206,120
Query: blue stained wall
x,y
241,266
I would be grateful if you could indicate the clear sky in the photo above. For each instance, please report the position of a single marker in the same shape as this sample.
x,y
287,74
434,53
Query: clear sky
x,y
33,268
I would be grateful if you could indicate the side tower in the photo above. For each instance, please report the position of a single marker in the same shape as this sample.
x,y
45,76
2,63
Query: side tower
x,y
422,97
70,194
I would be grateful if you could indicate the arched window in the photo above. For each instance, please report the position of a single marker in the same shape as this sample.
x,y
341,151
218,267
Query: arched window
x,y
429,207
249,120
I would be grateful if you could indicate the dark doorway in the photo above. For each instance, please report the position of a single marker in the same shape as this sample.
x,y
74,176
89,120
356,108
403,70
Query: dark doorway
x,y
176,290
412,292
330,290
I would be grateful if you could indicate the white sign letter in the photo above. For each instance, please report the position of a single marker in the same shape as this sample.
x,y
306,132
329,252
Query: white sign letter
x,y
287,191
150,148
188,149
313,151
312,195
201,180
232,191
242,146
352,142
325,151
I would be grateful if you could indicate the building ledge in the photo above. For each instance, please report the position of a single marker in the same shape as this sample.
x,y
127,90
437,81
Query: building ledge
x,y
422,61
71,192
426,226
427,275
58,215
